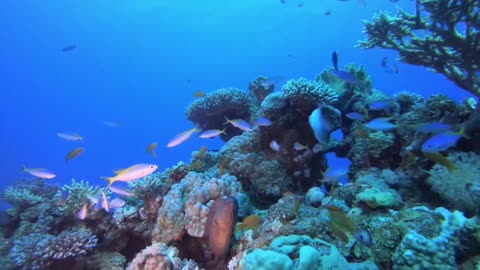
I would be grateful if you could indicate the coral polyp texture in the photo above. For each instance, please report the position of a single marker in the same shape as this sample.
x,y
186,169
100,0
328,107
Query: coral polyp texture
x,y
443,35
185,207
209,112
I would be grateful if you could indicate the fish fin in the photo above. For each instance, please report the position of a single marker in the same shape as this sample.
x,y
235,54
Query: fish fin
x,y
80,138
228,120
462,133
117,171
451,167
124,171
335,60
110,180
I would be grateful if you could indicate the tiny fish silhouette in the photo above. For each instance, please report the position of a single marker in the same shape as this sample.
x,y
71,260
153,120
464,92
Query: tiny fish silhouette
x,y
69,48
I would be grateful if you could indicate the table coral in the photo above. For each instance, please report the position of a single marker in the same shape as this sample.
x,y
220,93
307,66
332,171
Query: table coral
x,y
209,112
305,95
443,35
40,251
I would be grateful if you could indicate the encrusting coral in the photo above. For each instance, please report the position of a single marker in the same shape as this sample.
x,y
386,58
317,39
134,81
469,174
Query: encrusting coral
x,y
454,185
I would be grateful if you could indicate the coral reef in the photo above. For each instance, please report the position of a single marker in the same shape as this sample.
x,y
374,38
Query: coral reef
x,y
39,251
442,46
300,252
186,205
305,95
156,256
22,197
454,185
260,89
209,112
269,198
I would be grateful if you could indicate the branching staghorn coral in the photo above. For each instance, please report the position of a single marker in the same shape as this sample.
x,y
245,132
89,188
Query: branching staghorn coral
x,y
444,36
79,193
22,197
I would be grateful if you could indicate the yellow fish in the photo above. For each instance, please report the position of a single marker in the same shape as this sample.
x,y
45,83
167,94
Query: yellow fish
x,y
132,173
74,153
250,222
199,94
440,159
151,149
202,152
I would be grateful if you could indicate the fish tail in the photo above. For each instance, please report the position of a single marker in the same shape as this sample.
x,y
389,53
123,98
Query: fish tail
x,y
451,167
462,133
24,169
109,179
224,131
228,120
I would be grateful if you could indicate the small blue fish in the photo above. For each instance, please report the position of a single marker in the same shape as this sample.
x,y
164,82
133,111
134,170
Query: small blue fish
x,y
387,65
344,75
355,116
382,123
442,141
434,127
341,74
262,122
335,176
69,48
381,105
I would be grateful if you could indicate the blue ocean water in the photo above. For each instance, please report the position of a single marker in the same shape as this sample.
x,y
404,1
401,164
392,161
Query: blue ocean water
x,y
139,63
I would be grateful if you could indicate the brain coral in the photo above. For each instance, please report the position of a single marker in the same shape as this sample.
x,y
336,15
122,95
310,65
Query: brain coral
x,y
209,112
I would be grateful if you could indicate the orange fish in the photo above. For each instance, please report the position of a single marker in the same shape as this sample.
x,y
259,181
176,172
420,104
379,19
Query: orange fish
x,y
151,149
74,153
223,167
250,222
199,94
202,152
